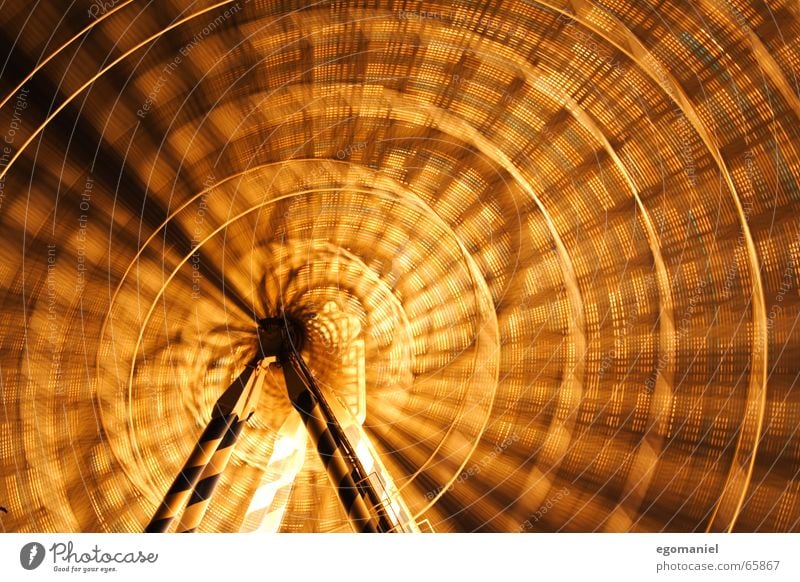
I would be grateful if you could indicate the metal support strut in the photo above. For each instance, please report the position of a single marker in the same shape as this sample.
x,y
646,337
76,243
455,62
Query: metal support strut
x,y
198,478
358,496
280,341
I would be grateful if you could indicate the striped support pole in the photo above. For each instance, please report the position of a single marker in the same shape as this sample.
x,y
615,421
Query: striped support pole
x,y
204,489
181,488
196,481
342,467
